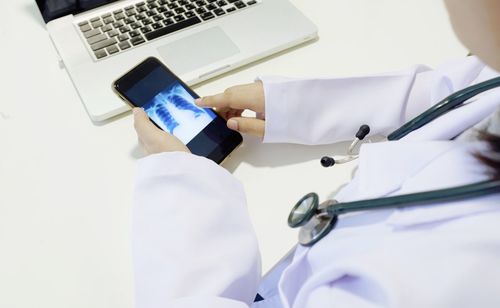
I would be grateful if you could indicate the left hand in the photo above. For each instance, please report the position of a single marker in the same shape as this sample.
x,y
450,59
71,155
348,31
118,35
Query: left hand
x,y
152,139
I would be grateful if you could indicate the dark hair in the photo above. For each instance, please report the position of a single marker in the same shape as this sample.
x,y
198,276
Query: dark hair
x,y
492,158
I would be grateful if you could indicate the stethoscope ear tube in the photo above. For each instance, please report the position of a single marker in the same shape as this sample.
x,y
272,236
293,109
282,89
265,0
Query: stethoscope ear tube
x,y
451,102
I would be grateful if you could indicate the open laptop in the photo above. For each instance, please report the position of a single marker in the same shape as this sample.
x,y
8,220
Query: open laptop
x,y
99,40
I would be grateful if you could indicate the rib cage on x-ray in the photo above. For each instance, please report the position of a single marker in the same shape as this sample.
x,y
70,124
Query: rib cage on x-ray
x,y
177,97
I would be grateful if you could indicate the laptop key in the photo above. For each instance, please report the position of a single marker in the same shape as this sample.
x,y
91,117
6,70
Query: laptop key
x,y
100,54
95,19
102,44
117,11
107,28
97,24
108,20
124,45
211,7
189,14
251,2
137,40
207,16
92,33
168,14
135,25
147,21
151,13
119,16
190,7
122,37
85,27
179,18
112,33
112,49
106,15
219,12
172,28
140,4
118,24
130,13
129,20
180,10
97,38
239,4
145,29
124,29
83,23
156,26
221,3
134,33
231,9
168,21
201,10
158,18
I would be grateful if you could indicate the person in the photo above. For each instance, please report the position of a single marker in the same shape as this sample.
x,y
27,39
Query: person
x,y
193,241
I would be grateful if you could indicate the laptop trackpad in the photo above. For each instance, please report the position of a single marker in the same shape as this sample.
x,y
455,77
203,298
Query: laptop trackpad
x,y
197,50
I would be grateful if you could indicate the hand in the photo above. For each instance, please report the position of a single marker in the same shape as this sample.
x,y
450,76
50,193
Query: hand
x,y
234,101
152,139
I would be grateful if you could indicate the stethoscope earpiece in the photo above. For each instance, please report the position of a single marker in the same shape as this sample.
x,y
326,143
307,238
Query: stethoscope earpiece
x,y
327,161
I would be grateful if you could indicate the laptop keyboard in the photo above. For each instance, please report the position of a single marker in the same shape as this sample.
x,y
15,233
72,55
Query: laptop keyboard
x,y
122,29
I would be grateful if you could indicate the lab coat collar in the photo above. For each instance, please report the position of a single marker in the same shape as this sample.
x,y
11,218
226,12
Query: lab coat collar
x,y
401,167
384,167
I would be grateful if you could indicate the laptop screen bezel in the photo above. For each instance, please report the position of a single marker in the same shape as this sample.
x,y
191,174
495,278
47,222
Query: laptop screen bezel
x,y
53,9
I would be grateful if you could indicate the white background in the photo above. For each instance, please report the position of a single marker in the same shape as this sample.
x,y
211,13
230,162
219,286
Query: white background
x,y
66,183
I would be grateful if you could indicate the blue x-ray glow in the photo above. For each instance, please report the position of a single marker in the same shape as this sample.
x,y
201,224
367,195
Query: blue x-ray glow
x,y
174,111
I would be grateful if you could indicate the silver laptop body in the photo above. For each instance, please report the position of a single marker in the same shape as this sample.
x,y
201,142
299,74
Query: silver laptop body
x,y
202,48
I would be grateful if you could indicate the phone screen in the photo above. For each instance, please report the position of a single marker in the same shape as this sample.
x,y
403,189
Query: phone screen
x,y
172,107
169,103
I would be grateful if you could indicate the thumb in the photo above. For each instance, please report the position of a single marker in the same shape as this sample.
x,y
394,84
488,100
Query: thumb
x,y
143,126
251,126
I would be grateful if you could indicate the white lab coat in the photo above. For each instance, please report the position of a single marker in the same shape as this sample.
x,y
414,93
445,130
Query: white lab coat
x,y
194,245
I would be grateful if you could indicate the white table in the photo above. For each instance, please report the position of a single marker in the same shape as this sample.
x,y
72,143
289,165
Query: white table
x,y
66,183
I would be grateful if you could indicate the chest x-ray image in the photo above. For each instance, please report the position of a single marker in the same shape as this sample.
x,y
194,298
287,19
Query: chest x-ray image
x,y
174,111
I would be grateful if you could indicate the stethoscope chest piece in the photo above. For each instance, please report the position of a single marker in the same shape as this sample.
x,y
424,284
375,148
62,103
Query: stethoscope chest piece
x,y
315,220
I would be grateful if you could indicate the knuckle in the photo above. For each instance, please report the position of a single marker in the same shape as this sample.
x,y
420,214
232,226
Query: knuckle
x,y
229,92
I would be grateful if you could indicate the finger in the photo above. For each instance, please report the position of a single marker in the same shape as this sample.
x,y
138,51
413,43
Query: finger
x,y
245,96
143,126
249,126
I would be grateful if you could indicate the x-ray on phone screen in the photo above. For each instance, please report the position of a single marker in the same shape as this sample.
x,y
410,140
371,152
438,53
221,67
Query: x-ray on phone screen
x,y
172,107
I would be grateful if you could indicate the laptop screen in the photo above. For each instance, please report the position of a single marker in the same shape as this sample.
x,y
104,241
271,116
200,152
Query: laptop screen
x,y
52,9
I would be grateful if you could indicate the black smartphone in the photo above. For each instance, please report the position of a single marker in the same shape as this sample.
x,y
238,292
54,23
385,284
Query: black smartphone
x,y
169,103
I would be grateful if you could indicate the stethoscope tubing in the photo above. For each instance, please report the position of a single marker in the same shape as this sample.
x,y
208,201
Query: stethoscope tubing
x,y
421,198
451,102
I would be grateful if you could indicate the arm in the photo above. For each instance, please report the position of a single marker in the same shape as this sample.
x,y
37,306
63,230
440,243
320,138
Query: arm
x,y
327,110
193,242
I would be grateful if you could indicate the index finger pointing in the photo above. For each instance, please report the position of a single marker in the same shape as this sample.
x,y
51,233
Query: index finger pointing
x,y
240,97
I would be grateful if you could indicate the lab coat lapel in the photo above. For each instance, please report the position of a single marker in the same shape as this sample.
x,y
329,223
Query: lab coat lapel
x,y
383,167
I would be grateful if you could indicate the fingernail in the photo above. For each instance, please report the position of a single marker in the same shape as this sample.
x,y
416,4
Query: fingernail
x,y
232,124
198,101
135,111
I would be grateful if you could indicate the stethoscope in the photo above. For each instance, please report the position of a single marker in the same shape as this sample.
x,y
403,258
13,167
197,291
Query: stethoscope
x,y
317,220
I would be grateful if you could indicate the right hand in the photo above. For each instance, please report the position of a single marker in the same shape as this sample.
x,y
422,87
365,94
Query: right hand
x,y
231,104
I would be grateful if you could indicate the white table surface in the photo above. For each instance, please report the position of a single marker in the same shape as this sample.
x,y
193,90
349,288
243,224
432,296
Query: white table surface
x,y
66,183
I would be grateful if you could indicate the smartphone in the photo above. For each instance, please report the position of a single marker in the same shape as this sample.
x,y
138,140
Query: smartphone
x,y
169,103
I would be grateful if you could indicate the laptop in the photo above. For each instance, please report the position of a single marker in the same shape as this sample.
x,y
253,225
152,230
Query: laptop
x,y
99,40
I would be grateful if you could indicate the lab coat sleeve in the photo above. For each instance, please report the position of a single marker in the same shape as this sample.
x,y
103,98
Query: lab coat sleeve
x,y
193,243
328,110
